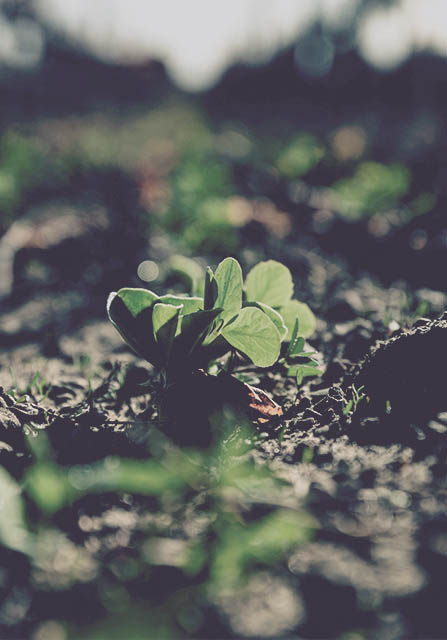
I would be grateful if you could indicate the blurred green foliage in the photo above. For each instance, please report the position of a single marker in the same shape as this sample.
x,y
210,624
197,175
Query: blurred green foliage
x,y
188,171
373,188
241,547
422,204
197,211
299,156
214,548
13,529
139,141
51,487
20,168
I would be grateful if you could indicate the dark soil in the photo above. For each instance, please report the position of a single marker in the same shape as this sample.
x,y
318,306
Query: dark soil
x,y
374,481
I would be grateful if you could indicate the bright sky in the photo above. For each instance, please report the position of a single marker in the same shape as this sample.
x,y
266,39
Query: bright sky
x,y
198,39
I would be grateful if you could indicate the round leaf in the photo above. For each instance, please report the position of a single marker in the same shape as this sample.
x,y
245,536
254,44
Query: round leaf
x,y
293,310
228,277
254,334
130,310
165,320
269,282
190,271
190,304
136,300
274,316
192,328
209,289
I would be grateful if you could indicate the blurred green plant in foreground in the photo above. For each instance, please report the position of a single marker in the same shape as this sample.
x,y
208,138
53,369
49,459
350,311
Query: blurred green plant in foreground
x,y
212,548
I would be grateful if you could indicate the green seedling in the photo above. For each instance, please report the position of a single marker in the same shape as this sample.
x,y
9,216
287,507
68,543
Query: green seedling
x,y
298,362
181,333
357,397
39,387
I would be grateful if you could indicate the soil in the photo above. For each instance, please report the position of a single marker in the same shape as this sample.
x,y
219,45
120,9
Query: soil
x,y
373,481
367,472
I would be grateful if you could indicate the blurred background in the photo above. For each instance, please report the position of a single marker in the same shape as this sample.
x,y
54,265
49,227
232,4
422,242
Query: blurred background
x,y
142,140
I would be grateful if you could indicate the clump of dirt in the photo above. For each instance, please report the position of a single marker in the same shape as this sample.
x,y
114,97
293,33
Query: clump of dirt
x,y
404,374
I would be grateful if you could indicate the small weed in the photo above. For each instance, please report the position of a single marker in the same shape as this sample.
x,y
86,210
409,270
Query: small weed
x,y
352,404
298,362
38,387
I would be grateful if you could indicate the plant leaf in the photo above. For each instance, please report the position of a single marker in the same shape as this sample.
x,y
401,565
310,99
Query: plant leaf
x,y
13,530
148,477
296,343
293,337
189,303
293,310
274,316
254,334
304,370
136,300
193,328
210,289
165,319
269,282
130,311
228,277
189,271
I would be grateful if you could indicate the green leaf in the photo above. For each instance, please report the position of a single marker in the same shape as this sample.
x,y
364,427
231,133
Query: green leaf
x,y
293,310
304,370
136,300
189,271
274,316
269,282
228,277
194,327
254,334
210,289
264,541
298,348
294,337
49,486
13,530
130,310
189,303
296,343
165,319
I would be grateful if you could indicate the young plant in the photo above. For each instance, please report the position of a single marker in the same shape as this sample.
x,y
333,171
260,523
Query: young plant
x,y
298,362
179,334
352,404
